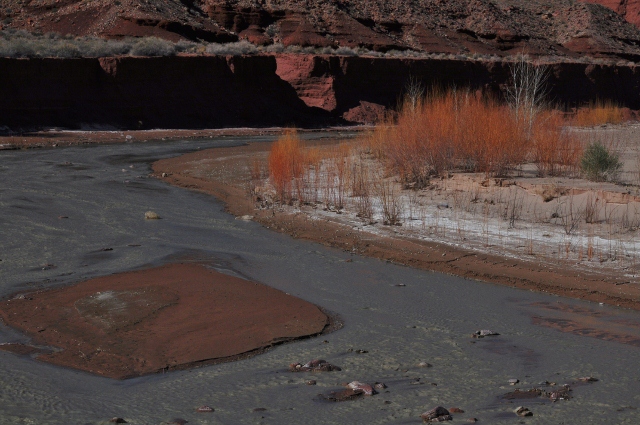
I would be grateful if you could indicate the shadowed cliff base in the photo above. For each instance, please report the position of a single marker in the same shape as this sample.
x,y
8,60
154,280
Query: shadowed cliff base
x,y
260,91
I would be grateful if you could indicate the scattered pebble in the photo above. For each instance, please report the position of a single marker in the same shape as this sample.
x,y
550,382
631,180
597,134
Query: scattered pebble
x,y
484,332
588,379
523,411
205,409
62,216
513,381
164,174
117,420
150,215
245,217
379,385
472,420
424,364
437,414
316,365
178,421
310,382
455,410
260,409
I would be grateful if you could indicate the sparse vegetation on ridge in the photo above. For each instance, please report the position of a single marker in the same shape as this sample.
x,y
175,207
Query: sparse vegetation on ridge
x,y
23,44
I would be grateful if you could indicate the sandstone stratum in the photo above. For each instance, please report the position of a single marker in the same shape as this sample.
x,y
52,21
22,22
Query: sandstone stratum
x,y
499,27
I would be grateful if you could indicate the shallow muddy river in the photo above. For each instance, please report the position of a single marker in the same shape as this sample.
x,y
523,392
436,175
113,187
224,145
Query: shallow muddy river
x,y
104,191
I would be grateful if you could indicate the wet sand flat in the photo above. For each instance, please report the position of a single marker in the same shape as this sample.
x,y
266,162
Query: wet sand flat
x,y
169,317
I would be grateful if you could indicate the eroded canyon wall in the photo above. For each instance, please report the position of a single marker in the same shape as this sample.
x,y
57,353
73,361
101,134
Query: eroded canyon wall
x,y
275,90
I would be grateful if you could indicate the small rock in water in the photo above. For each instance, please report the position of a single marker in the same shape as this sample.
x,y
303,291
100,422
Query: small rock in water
x,y
245,217
588,379
344,395
150,215
178,421
260,409
359,386
379,385
400,284
437,414
424,364
117,420
472,420
513,381
455,410
310,382
523,411
205,409
316,365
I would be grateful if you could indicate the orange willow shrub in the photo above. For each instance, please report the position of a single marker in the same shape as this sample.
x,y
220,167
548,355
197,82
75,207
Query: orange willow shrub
x,y
554,150
287,164
598,113
454,130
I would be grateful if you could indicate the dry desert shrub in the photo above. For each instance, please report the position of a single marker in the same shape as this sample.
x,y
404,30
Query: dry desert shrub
x,y
598,113
448,131
286,164
555,151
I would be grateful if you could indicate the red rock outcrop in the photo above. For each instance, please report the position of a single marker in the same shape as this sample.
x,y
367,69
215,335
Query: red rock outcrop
x,y
497,27
256,91
628,9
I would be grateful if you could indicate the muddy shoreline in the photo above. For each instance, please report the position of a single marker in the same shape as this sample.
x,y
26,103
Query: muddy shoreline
x,y
223,173
64,138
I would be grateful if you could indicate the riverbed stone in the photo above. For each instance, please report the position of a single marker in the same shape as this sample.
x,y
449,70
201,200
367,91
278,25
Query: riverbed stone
x,y
316,365
437,414
523,411
150,215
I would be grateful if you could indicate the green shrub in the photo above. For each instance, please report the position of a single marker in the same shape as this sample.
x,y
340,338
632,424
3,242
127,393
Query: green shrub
x,y
598,164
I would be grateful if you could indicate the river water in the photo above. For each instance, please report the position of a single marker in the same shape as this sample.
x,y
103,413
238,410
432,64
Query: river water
x,y
105,190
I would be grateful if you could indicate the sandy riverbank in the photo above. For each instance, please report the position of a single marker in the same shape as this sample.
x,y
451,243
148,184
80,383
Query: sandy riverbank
x,y
225,172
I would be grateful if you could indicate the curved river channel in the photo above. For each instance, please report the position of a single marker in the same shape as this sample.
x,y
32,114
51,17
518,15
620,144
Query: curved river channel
x,y
105,190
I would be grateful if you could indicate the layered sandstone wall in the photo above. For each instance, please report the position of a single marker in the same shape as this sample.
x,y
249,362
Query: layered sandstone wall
x,y
302,90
